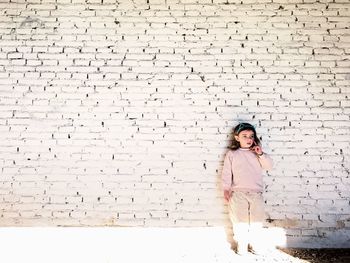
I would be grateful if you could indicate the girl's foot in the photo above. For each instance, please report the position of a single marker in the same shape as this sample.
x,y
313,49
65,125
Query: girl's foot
x,y
242,249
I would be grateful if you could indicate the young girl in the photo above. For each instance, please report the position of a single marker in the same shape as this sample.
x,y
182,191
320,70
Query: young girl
x,y
243,187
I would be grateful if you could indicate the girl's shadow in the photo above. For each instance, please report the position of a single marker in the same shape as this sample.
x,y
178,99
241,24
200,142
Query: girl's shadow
x,y
227,224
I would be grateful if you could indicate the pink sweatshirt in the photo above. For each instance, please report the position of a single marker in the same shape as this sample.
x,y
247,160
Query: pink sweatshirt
x,y
243,170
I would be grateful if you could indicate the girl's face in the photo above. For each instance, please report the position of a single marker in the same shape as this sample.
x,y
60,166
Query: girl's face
x,y
245,138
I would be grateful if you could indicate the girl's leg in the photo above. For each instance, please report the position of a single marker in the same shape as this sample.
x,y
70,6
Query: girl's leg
x,y
238,211
241,236
258,240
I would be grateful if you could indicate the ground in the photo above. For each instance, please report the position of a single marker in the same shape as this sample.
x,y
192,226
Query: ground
x,y
293,255
321,255
134,245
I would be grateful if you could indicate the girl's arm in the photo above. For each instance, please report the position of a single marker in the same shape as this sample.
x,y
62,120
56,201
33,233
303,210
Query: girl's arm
x,y
265,161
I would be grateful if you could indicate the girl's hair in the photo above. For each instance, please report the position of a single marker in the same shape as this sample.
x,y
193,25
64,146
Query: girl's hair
x,y
243,127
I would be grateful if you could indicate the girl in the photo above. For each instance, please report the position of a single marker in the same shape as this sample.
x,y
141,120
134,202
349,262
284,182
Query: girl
x,y
243,187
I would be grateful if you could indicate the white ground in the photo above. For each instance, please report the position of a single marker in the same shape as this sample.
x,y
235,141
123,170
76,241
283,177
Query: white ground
x,y
112,244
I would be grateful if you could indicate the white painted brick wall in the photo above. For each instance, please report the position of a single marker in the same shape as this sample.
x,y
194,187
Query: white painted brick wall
x,y
120,112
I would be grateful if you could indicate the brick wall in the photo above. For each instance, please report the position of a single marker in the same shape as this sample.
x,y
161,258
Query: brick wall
x,y
120,112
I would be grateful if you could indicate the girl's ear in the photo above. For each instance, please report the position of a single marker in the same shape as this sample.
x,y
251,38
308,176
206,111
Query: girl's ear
x,y
237,138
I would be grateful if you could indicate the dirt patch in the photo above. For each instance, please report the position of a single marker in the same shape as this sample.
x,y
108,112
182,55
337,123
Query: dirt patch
x,y
327,255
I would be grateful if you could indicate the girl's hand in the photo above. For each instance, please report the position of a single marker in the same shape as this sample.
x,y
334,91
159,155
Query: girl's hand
x,y
256,149
227,195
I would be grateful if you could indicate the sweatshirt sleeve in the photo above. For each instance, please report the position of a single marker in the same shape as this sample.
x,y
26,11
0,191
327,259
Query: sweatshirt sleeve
x,y
266,162
227,172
